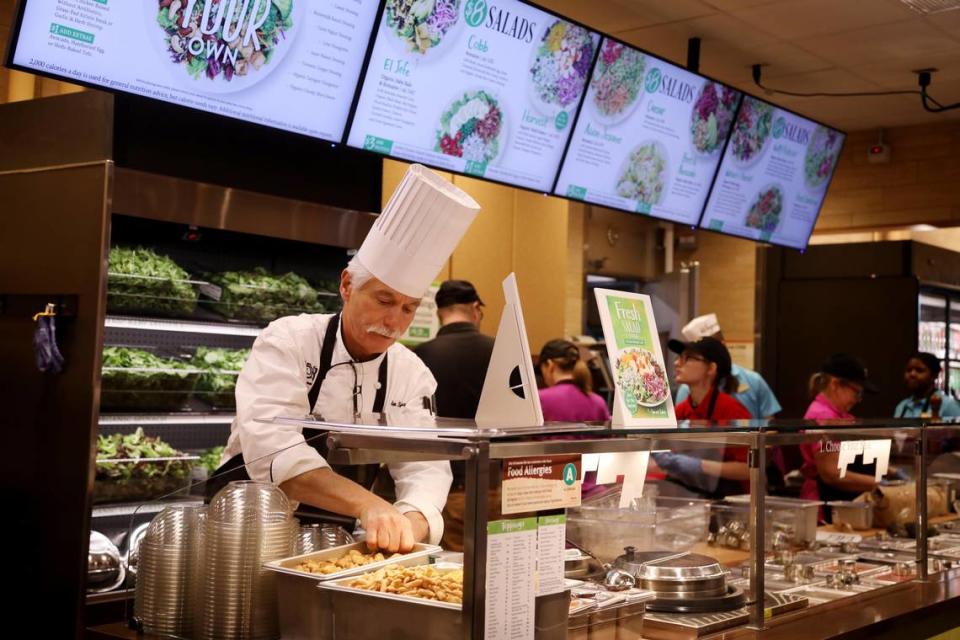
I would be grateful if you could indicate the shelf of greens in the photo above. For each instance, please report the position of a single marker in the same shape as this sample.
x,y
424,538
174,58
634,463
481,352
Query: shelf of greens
x,y
138,379
139,467
490,90
649,137
141,282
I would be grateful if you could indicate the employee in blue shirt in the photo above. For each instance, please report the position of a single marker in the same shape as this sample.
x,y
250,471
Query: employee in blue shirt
x,y
752,390
925,400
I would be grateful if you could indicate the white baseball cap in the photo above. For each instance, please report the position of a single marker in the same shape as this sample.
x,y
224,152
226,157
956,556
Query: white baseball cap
x,y
419,228
701,327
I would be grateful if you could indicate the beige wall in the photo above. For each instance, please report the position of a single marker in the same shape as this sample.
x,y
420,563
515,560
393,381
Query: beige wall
x,y
920,185
537,237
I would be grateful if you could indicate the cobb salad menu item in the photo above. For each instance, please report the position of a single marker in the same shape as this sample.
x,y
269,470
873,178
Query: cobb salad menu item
x,y
773,177
633,346
481,88
288,64
649,138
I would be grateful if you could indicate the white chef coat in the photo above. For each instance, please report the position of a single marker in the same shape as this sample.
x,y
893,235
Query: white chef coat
x,y
275,381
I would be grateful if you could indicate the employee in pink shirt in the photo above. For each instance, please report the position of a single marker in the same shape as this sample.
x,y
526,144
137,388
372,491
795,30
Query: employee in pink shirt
x,y
569,396
837,388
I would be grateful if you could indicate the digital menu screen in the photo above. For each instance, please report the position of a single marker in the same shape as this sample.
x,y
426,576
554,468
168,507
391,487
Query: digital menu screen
x,y
484,88
287,64
773,177
649,137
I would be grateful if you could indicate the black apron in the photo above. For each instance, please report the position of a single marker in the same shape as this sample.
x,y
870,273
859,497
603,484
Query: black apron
x,y
235,469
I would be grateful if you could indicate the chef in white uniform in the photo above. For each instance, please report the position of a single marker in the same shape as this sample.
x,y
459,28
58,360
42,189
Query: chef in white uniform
x,y
336,366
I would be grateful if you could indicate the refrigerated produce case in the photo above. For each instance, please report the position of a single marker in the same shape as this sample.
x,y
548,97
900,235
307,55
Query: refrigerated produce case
x,y
939,333
224,222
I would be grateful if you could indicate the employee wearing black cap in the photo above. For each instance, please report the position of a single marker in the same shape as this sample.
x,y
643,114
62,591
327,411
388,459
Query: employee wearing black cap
x,y
705,367
837,388
458,358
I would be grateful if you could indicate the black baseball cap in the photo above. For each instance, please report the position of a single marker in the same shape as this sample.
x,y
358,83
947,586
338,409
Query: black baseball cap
x,y
849,368
710,349
456,292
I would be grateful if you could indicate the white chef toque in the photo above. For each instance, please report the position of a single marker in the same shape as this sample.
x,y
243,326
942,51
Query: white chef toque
x,y
418,230
701,327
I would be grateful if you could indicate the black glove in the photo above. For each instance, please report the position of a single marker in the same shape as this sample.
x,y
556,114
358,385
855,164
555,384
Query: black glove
x,y
49,359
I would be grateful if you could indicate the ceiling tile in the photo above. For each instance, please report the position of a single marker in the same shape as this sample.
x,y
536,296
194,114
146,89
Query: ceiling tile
x,y
899,74
667,41
735,5
883,42
804,18
733,63
613,16
948,22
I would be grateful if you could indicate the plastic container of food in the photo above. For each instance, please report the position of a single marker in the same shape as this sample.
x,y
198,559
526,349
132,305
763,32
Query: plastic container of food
x,y
858,515
605,531
789,514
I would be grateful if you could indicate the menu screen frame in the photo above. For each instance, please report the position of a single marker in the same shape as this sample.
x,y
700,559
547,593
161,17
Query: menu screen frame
x,y
15,34
694,223
548,190
826,188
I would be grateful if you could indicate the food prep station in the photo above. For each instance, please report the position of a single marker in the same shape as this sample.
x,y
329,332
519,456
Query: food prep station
x,y
683,578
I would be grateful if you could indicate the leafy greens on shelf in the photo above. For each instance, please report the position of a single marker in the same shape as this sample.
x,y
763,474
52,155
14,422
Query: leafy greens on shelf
x,y
211,459
137,447
135,378
262,297
224,365
142,280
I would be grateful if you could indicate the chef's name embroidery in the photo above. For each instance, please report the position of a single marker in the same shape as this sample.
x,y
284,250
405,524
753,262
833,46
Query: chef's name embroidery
x,y
311,372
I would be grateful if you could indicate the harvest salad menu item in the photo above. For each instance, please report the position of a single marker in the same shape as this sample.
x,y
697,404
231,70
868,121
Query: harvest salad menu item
x,y
288,64
773,177
479,87
649,138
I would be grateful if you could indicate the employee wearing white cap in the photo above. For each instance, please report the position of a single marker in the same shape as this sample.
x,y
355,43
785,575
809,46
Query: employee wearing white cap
x,y
344,364
752,390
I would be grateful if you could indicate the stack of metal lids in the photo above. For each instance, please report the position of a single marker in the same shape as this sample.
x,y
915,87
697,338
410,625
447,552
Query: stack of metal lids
x,y
684,582
316,537
248,524
163,601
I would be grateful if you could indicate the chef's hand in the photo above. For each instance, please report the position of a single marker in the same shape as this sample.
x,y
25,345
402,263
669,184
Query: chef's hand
x,y
386,528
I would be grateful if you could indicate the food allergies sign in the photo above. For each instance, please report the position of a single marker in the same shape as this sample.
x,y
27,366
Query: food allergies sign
x,y
633,346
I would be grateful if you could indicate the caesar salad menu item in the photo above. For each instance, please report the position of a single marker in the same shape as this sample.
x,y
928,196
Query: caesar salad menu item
x,y
650,138
773,176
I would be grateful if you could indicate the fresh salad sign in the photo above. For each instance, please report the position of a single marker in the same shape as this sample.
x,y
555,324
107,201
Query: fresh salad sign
x,y
633,346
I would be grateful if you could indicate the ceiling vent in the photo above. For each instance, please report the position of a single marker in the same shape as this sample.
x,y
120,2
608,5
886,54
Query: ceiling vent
x,y
927,7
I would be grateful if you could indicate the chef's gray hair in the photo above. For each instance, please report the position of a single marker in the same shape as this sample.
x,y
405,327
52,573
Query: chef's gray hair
x,y
359,274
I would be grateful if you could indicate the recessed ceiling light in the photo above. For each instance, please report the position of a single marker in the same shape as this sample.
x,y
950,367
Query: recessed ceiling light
x,y
926,7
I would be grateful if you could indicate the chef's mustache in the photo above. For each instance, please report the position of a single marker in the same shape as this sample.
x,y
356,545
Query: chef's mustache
x,y
382,330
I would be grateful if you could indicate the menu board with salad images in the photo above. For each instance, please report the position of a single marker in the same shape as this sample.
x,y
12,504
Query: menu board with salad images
x,y
774,176
649,137
287,64
483,88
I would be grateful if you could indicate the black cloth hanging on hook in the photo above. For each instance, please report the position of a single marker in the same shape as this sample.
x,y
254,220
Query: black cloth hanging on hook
x,y
49,358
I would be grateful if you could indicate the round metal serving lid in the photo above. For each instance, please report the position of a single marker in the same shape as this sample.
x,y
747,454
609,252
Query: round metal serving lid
x,y
667,566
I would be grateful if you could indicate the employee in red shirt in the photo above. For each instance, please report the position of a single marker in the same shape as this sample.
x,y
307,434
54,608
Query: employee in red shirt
x,y
705,367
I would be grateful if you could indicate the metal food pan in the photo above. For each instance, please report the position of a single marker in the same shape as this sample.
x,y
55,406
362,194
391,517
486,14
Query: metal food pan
x,y
342,586
289,565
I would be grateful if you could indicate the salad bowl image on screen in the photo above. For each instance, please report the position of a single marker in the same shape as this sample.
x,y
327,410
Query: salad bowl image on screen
x,y
765,209
219,47
712,114
472,128
559,65
643,176
426,28
617,82
751,132
821,157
